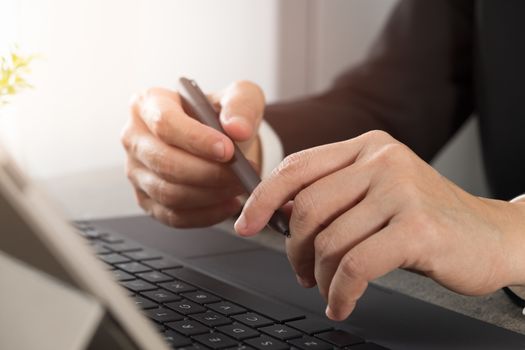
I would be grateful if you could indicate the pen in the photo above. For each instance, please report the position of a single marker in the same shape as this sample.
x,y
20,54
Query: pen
x,y
193,97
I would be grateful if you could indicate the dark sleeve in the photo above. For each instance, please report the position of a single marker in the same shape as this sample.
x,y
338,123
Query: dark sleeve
x,y
415,84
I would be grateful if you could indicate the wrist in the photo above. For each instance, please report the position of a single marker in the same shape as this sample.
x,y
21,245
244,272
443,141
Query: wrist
x,y
515,224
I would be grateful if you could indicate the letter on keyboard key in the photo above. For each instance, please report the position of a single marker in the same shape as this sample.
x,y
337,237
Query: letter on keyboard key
x,y
240,347
215,340
186,307
161,296
201,297
138,285
367,346
154,277
264,342
310,343
163,315
252,319
175,339
227,308
144,303
238,331
211,319
280,331
177,287
188,327
340,338
133,267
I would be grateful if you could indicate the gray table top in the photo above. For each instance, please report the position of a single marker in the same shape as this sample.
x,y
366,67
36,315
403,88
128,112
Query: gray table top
x,y
85,195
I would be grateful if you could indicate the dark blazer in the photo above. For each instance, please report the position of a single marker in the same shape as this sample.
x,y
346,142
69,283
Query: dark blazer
x,y
435,63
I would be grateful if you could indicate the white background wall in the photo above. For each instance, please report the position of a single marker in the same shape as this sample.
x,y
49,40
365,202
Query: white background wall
x,y
96,53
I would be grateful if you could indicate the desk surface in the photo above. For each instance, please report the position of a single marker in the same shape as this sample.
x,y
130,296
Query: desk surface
x,y
106,193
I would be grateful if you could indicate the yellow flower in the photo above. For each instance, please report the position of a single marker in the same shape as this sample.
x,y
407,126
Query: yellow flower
x,y
13,70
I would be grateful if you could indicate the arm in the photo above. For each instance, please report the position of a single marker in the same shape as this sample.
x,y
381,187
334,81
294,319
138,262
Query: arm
x,y
415,84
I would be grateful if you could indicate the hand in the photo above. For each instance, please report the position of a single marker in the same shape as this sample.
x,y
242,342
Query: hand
x,y
177,165
366,206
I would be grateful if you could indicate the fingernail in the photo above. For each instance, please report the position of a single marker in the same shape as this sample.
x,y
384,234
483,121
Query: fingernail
x,y
304,282
236,119
218,150
241,224
328,312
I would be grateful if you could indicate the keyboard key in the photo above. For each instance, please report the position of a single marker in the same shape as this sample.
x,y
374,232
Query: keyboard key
x,y
238,331
142,255
163,315
265,307
138,285
144,303
201,297
310,326
226,308
161,296
310,343
211,319
340,338
186,307
177,287
241,347
176,340
109,238
264,342
154,277
133,267
113,258
188,327
162,264
98,249
159,327
280,331
120,275
89,232
194,346
215,340
123,247
252,319
367,346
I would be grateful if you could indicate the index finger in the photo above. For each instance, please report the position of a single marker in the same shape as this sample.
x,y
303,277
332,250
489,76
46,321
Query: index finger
x,y
293,174
161,111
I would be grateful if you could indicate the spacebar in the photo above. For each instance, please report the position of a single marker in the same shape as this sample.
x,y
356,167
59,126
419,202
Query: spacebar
x,y
263,306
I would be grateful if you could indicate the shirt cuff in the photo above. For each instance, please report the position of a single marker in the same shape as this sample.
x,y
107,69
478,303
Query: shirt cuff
x,y
519,198
272,152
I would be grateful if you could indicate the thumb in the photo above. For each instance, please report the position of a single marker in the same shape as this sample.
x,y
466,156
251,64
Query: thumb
x,y
242,108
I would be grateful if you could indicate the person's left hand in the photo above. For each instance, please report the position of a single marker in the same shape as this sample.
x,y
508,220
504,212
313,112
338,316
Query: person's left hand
x,y
366,206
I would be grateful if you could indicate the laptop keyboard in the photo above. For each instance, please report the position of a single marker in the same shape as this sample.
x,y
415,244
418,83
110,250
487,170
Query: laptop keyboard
x,y
193,311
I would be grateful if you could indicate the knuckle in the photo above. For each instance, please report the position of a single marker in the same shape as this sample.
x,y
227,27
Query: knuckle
x,y
304,211
351,267
323,247
378,136
293,165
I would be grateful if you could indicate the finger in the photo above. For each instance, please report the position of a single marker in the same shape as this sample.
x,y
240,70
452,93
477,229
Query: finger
x,y
201,217
294,173
242,108
370,259
351,228
315,208
161,111
175,165
176,196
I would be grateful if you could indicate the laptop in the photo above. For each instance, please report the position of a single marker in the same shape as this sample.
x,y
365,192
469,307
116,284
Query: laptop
x,y
133,283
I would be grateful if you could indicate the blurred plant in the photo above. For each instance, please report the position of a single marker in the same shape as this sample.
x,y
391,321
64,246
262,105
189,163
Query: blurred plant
x,y
14,68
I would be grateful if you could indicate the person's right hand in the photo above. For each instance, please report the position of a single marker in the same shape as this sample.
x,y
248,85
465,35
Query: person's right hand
x,y
177,165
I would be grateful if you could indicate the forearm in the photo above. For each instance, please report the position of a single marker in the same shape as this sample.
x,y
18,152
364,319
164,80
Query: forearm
x,y
319,120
